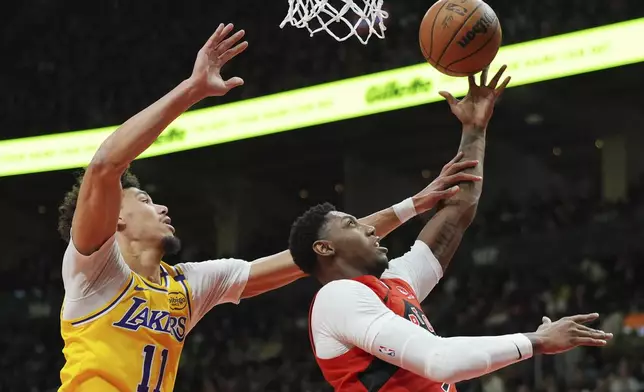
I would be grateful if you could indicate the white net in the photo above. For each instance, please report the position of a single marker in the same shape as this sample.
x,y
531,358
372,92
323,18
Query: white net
x,y
363,18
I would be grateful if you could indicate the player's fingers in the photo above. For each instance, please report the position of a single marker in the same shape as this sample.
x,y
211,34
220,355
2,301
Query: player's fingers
x,y
497,77
447,193
231,53
588,342
449,164
219,34
229,42
583,318
460,177
457,157
502,87
234,82
484,76
214,35
460,166
591,333
595,333
471,81
467,177
546,320
448,97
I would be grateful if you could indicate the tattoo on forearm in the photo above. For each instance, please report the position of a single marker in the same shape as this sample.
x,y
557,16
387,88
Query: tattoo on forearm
x,y
447,236
445,231
473,147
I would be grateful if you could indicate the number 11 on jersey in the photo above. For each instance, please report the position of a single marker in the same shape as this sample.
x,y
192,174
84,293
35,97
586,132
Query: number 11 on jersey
x,y
148,358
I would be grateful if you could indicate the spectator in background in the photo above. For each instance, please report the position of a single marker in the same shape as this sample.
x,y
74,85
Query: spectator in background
x,y
623,381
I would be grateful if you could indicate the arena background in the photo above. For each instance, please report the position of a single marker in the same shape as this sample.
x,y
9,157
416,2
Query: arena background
x,y
558,231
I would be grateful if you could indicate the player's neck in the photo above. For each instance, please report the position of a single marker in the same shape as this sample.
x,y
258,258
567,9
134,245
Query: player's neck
x,y
142,259
338,271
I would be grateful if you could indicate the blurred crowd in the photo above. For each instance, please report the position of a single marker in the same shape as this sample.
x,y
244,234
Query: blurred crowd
x,y
76,65
262,344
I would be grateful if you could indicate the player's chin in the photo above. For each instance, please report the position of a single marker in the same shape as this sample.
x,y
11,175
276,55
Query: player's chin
x,y
171,244
382,260
381,265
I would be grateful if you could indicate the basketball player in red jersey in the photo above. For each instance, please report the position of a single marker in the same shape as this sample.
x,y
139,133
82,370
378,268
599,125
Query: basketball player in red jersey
x,y
126,313
367,329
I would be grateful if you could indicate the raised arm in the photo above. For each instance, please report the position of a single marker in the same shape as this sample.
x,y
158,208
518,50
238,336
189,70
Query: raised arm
x,y
348,314
443,233
272,272
96,216
442,188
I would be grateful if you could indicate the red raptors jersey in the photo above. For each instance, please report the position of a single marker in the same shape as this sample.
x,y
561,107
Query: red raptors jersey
x,y
359,371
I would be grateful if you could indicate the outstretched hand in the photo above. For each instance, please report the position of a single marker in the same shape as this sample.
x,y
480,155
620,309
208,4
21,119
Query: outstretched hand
x,y
567,333
218,50
445,185
478,105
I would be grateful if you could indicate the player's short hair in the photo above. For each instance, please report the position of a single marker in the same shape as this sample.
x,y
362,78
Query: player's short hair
x,y
304,232
68,206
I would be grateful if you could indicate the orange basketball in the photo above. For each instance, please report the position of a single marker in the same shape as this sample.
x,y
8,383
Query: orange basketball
x,y
460,37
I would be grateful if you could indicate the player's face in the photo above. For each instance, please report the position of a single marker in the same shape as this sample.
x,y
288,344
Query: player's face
x,y
143,221
355,244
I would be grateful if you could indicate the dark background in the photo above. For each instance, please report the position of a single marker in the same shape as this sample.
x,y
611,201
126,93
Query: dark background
x,y
558,230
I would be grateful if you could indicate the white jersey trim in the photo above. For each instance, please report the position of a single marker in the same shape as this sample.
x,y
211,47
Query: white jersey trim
x,y
105,311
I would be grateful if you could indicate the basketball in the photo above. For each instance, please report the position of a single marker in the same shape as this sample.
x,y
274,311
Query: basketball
x,y
460,37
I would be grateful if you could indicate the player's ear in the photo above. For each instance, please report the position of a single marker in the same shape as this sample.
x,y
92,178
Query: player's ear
x,y
323,248
120,226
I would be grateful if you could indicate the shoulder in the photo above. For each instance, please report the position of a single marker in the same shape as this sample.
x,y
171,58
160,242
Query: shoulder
x,y
341,288
342,296
342,314
92,281
416,265
419,252
84,274
332,317
219,267
109,250
419,268
214,282
335,294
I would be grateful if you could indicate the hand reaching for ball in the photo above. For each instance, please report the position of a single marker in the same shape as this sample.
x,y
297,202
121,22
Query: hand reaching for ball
x,y
475,110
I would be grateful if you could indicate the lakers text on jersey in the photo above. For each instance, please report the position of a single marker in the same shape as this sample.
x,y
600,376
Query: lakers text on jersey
x,y
132,344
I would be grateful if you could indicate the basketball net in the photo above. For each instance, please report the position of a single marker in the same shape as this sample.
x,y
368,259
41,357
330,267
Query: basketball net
x,y
319,15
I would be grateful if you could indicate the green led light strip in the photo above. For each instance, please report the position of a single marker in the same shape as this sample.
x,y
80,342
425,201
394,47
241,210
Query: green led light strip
x,y
528,62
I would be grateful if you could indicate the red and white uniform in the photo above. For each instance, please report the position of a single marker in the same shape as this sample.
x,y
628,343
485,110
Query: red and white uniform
x,y
370,334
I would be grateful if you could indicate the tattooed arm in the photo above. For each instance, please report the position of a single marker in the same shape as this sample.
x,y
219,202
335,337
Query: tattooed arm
x,y
443,233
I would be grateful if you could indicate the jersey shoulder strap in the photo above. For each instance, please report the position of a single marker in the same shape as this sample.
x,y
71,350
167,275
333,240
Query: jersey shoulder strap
x,y
398,283
376,285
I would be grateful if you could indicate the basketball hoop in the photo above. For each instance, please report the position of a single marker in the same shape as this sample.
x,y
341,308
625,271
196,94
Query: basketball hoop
x,y
368,18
